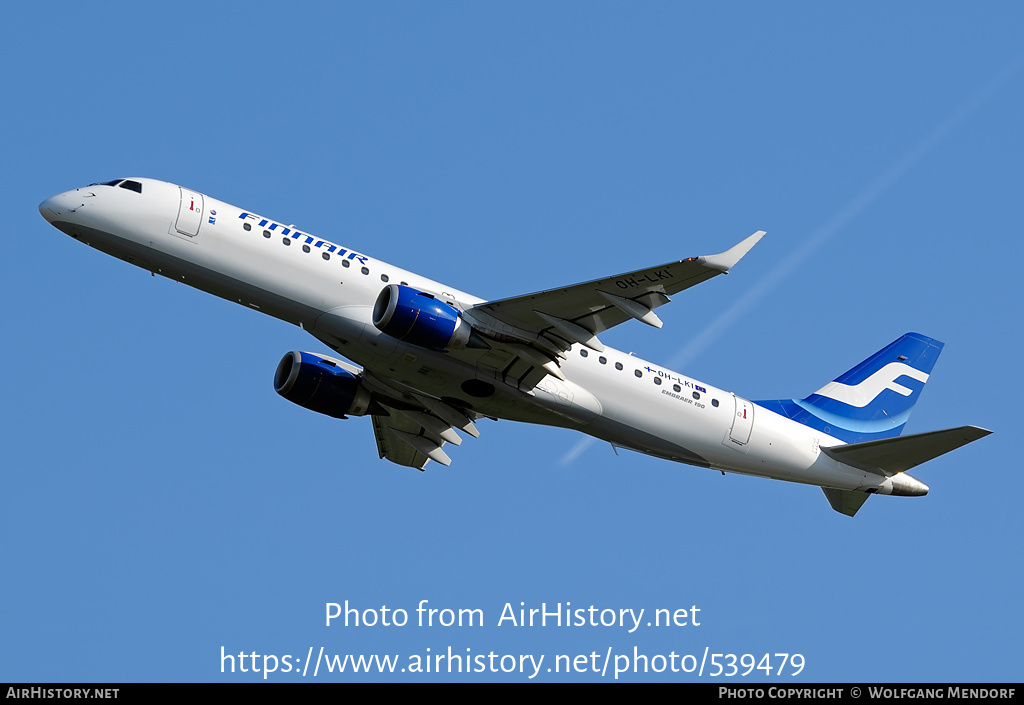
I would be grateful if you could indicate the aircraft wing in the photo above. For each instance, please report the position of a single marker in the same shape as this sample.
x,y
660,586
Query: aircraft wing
x,y
396,442
576,314
413,429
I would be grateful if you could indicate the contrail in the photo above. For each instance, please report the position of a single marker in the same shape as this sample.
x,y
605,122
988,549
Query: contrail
x,y
857,205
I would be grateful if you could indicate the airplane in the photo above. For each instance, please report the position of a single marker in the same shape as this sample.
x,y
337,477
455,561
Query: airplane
x,y
432,360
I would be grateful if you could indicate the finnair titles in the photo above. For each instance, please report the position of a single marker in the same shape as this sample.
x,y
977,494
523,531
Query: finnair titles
x,y
431,361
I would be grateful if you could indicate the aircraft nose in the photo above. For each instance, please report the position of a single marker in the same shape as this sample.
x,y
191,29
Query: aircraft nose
x,y
56,206
50,209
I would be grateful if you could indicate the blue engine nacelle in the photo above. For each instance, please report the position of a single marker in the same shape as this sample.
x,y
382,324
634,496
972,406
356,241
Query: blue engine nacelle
x,y
420,319
320,384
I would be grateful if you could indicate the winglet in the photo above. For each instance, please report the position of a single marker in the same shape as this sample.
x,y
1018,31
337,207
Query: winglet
x,y
728,259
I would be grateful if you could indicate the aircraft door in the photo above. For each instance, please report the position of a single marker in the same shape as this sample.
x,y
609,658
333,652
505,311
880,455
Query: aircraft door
x,y
742,422
190,213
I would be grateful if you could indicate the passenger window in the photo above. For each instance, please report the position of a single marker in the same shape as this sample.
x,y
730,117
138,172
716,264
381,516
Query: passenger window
x,y
246,227
345,263
657,381
714,402
286,240
305,248
638,373
603,360
365,270
326,256
266,233
618,365
383,277
583,352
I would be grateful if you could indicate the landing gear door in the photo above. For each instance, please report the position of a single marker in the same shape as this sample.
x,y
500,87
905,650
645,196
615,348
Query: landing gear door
x,y
742,423
559,390
190,213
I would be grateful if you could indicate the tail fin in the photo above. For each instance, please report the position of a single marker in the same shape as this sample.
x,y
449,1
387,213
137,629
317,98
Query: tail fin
x,y
873,400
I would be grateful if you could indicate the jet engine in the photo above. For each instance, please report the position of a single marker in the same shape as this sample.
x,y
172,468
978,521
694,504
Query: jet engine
x,y
320,384
419,318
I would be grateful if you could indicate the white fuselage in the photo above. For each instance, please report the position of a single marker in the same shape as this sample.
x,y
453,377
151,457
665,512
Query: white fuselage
x,y
329,291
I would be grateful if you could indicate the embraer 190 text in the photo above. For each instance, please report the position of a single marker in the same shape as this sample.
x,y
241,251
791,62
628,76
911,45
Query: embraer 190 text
x,y
435,359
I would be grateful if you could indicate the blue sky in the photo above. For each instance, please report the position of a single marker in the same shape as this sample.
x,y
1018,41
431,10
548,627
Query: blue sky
x,y
160,502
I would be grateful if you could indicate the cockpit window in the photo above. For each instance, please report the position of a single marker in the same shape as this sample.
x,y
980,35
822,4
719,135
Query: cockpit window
x,y
123,183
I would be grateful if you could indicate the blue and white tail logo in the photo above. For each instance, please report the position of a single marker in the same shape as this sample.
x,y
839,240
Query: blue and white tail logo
x,y
874,399
866,391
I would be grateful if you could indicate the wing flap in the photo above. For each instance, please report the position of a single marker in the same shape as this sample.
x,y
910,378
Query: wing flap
x,y
411,435
411,438
394,447
449,414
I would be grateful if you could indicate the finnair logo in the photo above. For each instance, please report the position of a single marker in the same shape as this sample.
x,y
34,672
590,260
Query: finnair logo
x,y
863,393
327,247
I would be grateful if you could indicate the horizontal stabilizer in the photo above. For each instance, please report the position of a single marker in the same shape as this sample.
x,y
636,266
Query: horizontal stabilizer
x,y
891,456
845,501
